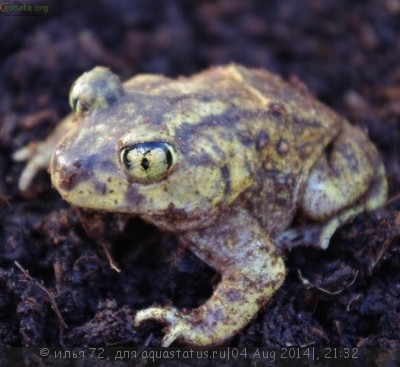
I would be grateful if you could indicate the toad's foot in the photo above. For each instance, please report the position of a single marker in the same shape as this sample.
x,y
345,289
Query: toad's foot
x,y
188,328
38,157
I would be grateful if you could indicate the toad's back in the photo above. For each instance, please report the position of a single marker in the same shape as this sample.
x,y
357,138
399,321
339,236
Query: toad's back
x,y
280,129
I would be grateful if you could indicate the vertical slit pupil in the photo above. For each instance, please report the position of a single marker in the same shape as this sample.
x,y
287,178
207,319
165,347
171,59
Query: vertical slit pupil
x,y
145,163
168,156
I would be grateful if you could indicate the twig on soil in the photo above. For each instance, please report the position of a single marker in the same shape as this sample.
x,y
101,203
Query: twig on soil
x,y
45,291
308,283
111,261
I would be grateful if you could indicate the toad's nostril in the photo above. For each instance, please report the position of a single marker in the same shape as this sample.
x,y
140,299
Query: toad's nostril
x,y
66,173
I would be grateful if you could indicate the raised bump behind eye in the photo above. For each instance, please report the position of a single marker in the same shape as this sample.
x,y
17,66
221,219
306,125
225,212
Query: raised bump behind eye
x,y
148,162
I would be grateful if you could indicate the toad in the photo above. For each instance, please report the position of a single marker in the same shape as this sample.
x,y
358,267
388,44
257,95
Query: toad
x,y
225,160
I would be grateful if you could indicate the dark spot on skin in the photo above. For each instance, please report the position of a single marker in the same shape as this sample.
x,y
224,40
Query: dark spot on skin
x,y
174,218
351,159
282,147
282,199
299,120
290,179
276,111
71,174
104,165
226,176
265,248
133,197
206,97
225,118
305,150
187,132
245,138
272,173
172,215
77,164
100,187
201,159
151,108
111,99
218,150
315,124
234,296
262,140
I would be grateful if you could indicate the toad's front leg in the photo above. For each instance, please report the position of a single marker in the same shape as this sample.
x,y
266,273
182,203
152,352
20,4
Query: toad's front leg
x,y
38,154
251,270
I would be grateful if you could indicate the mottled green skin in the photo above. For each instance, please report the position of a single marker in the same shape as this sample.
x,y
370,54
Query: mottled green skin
x,y
251,153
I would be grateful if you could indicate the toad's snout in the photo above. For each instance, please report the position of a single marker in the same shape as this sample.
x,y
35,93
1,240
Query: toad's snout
x,y
89,181
67,172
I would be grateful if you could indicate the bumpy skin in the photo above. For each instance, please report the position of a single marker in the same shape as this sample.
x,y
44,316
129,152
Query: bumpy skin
x,y
239,154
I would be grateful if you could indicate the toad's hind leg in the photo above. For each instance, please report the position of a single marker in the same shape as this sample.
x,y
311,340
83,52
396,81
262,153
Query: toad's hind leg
x,y
375,197
347,180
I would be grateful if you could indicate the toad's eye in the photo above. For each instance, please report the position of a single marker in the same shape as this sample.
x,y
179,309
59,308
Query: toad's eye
x,y
97,89
148,162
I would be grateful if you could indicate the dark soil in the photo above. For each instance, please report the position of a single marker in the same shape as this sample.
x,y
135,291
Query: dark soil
x,y
346,51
